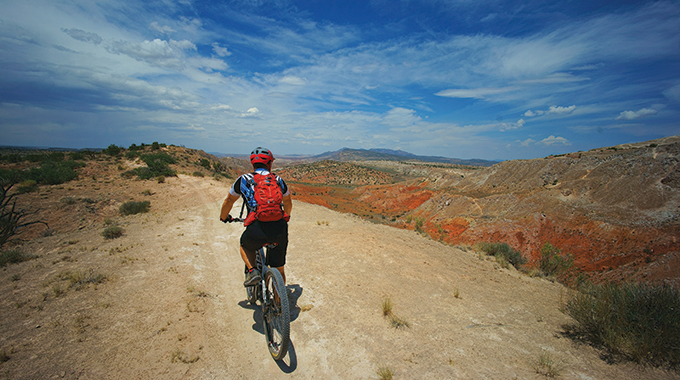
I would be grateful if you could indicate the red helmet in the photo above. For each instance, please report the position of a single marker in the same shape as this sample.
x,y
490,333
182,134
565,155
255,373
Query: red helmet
x,y
261,156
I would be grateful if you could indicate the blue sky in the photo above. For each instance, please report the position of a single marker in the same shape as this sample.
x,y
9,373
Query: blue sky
x,y
457,78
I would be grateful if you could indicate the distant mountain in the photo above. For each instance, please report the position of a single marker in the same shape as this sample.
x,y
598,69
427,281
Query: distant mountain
x,y
348,154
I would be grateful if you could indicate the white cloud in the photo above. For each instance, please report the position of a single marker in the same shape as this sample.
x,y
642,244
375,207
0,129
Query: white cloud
x,y
630,115
295,81
161,28
220,51
526,142
561,110
251,112
553,110
169,54
476,93
401,117
552,140
520,123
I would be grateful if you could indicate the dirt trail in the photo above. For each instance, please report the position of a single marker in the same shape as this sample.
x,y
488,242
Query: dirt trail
x,y
174,306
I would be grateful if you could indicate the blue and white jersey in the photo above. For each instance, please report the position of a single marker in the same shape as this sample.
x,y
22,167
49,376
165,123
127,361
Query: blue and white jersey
x,y
244,187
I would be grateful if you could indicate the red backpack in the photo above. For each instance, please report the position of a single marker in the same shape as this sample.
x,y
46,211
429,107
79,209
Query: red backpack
x,y
268,196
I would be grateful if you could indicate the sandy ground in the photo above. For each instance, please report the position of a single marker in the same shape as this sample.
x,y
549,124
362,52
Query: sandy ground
x,y
173,305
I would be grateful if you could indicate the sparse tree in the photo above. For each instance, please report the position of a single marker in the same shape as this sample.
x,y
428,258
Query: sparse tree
x,y
11,218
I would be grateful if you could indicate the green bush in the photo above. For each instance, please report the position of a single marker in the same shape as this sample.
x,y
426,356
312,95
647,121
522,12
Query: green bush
x,y
11,158
27,186
49,173
157,165
630,321
14,256
113,150
204,163
113,232
503,252
553,263
132,207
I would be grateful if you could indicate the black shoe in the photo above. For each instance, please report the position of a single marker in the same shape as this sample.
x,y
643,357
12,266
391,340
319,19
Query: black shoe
x,y
252,278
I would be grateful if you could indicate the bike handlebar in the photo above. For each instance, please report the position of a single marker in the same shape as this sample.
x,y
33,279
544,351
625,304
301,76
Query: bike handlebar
x,y
235,220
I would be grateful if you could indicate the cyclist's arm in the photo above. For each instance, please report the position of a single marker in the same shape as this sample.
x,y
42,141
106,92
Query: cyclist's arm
x,y
287,204
227,205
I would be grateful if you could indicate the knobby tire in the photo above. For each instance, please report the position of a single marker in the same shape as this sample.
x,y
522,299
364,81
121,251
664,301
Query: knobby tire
x,y
276,315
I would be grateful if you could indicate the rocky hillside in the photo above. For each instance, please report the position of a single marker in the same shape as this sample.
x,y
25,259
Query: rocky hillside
x,y
335,173
615,209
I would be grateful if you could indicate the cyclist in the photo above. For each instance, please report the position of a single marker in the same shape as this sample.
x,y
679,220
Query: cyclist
x,y
259,233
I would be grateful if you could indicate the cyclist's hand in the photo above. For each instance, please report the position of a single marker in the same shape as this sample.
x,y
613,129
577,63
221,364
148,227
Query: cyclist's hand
x,y
228,219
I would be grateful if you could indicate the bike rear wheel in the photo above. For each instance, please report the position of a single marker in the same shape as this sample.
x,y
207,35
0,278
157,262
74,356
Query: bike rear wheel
x,y
276,314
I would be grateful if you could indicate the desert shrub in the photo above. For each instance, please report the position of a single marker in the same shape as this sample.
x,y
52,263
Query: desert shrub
x,y
112,150
77,155
79,279
636,322
219,166
204,163
133,207
14,256
52,173
198,174
68,200
45,157
160,179
27,186
113,232
131,154
155,145
11,158
157,165
503,252
553,263
49,173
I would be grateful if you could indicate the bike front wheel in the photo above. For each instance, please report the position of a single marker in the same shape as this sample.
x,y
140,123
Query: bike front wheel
x,y
276,314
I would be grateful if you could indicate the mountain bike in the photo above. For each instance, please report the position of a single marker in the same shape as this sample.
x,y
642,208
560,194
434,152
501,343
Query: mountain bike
x,y
272,295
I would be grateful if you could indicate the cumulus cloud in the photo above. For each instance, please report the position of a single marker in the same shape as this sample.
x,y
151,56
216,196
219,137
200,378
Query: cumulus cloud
x,y
552,140
553,110
251,112
526,142
81,35
220,51
474,93
401,117
630,115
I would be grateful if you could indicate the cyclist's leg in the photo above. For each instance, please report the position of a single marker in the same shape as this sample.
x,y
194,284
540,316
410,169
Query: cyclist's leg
x,y
248,257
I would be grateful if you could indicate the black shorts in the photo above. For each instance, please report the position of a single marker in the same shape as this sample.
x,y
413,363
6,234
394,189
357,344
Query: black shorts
x,y
260,233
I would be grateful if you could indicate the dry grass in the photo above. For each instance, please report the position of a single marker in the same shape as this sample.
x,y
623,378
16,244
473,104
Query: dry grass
x,y
395,321
547,365
384,373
